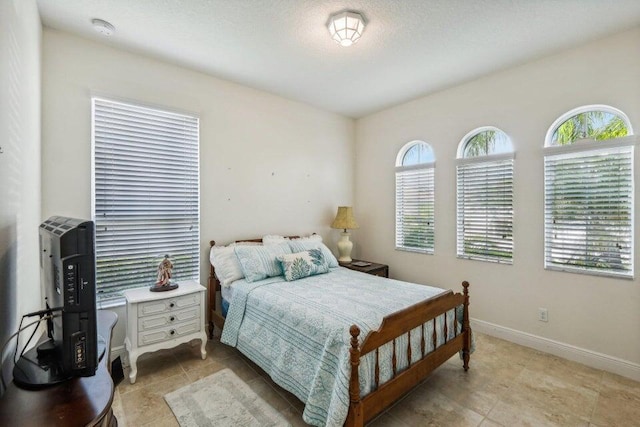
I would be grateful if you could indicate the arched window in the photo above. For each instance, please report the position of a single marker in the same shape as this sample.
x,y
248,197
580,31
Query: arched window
x,y
588,173
485,196
415,197
596,122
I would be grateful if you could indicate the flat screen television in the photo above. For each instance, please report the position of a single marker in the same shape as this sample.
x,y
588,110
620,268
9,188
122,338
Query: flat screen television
x,y
68,279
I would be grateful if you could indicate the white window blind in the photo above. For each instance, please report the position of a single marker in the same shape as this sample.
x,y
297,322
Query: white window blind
x,y
485,209
589,211
415,208
146,195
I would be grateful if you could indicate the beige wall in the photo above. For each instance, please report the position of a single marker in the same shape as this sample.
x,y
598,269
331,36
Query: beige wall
x,y
598,314
20,51
267,165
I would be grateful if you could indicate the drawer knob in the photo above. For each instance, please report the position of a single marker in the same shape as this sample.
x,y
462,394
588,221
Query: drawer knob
x,y
172,318
172,332
172,305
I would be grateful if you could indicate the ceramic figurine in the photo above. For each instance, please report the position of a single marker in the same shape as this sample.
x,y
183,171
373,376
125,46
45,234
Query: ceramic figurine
x,y
164,276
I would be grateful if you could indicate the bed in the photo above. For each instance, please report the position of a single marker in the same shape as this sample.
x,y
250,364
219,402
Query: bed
x,y
366,354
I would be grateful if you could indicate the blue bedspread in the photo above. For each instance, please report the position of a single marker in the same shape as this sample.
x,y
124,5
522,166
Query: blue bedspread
x,y
298,332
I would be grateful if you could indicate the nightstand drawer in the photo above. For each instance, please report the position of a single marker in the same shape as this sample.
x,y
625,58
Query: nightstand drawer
x,y
168,333
172,317
170,304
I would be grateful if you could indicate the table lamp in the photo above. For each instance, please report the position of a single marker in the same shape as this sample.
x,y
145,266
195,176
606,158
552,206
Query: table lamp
x,y
345,221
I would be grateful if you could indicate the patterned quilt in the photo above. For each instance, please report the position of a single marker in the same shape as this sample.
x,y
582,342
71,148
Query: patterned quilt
x,y
298,332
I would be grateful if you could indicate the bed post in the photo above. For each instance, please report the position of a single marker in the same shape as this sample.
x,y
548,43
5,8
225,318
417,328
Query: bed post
x,y
466,327
354,417
213,291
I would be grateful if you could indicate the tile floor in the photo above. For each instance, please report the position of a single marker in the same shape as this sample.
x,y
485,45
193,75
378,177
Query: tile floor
x,y
507,385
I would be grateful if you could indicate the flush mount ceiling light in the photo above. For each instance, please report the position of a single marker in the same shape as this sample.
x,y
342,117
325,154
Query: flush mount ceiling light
x,y
346,27
103,27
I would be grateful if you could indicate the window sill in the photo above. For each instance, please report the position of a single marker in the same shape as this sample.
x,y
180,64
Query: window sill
x,y
491,260
589,272
418,251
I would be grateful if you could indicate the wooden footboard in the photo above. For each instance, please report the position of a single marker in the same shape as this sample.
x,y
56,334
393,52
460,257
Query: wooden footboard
x,y
366,408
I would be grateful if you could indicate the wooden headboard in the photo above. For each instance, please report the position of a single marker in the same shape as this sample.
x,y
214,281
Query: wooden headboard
x,y
215,316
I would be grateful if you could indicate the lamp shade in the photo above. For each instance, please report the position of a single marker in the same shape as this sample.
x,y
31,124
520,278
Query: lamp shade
x,y
346,27
344,219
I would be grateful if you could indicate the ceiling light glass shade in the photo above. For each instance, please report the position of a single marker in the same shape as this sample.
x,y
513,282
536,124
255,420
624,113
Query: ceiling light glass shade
x,y
346,27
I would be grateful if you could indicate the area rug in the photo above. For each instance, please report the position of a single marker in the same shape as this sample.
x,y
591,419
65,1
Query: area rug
x,y
222,399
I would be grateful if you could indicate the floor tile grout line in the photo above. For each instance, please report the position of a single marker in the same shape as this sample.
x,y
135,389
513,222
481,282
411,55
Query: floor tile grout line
x,y
486,417
595,404
184,371
393,417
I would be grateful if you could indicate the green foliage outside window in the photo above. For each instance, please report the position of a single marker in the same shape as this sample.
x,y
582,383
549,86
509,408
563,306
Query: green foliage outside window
x,y
487,142
598,125
418,229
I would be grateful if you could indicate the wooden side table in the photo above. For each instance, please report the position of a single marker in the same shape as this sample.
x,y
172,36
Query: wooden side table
x,y
373,268
80,401
158,320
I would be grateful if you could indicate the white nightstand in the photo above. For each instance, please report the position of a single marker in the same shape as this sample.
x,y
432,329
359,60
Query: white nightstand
x,y
157,320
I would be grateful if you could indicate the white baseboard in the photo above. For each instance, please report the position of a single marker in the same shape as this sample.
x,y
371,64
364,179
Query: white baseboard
x,y
577,354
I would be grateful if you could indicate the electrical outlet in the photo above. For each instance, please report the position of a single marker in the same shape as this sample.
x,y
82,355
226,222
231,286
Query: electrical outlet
x,y
543,315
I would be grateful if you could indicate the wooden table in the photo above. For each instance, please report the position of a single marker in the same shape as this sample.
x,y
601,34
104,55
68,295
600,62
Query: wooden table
x,y
80,401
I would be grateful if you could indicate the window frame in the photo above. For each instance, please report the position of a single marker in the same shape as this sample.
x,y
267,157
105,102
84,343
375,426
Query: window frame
x,y
493,158
584,146
429,168
119,300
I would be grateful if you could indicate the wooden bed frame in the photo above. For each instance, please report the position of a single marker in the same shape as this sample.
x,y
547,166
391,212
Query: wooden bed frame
x,y
364,409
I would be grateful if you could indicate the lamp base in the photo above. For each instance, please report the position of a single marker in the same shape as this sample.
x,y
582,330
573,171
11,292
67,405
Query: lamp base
x,y
344,248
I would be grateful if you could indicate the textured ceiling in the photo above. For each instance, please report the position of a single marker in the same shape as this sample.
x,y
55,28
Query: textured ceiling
x,y
409,47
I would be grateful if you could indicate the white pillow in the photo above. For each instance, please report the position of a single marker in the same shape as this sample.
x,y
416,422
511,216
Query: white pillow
x,y
260,262
226,263
273,239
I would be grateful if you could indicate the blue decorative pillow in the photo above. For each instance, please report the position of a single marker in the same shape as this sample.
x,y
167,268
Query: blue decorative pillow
x,y
303,264
305,245
259,262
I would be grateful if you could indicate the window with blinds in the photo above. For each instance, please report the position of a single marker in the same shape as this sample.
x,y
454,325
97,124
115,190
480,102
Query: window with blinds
x,y
589,193
485,197
588,211
145,195
415,198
